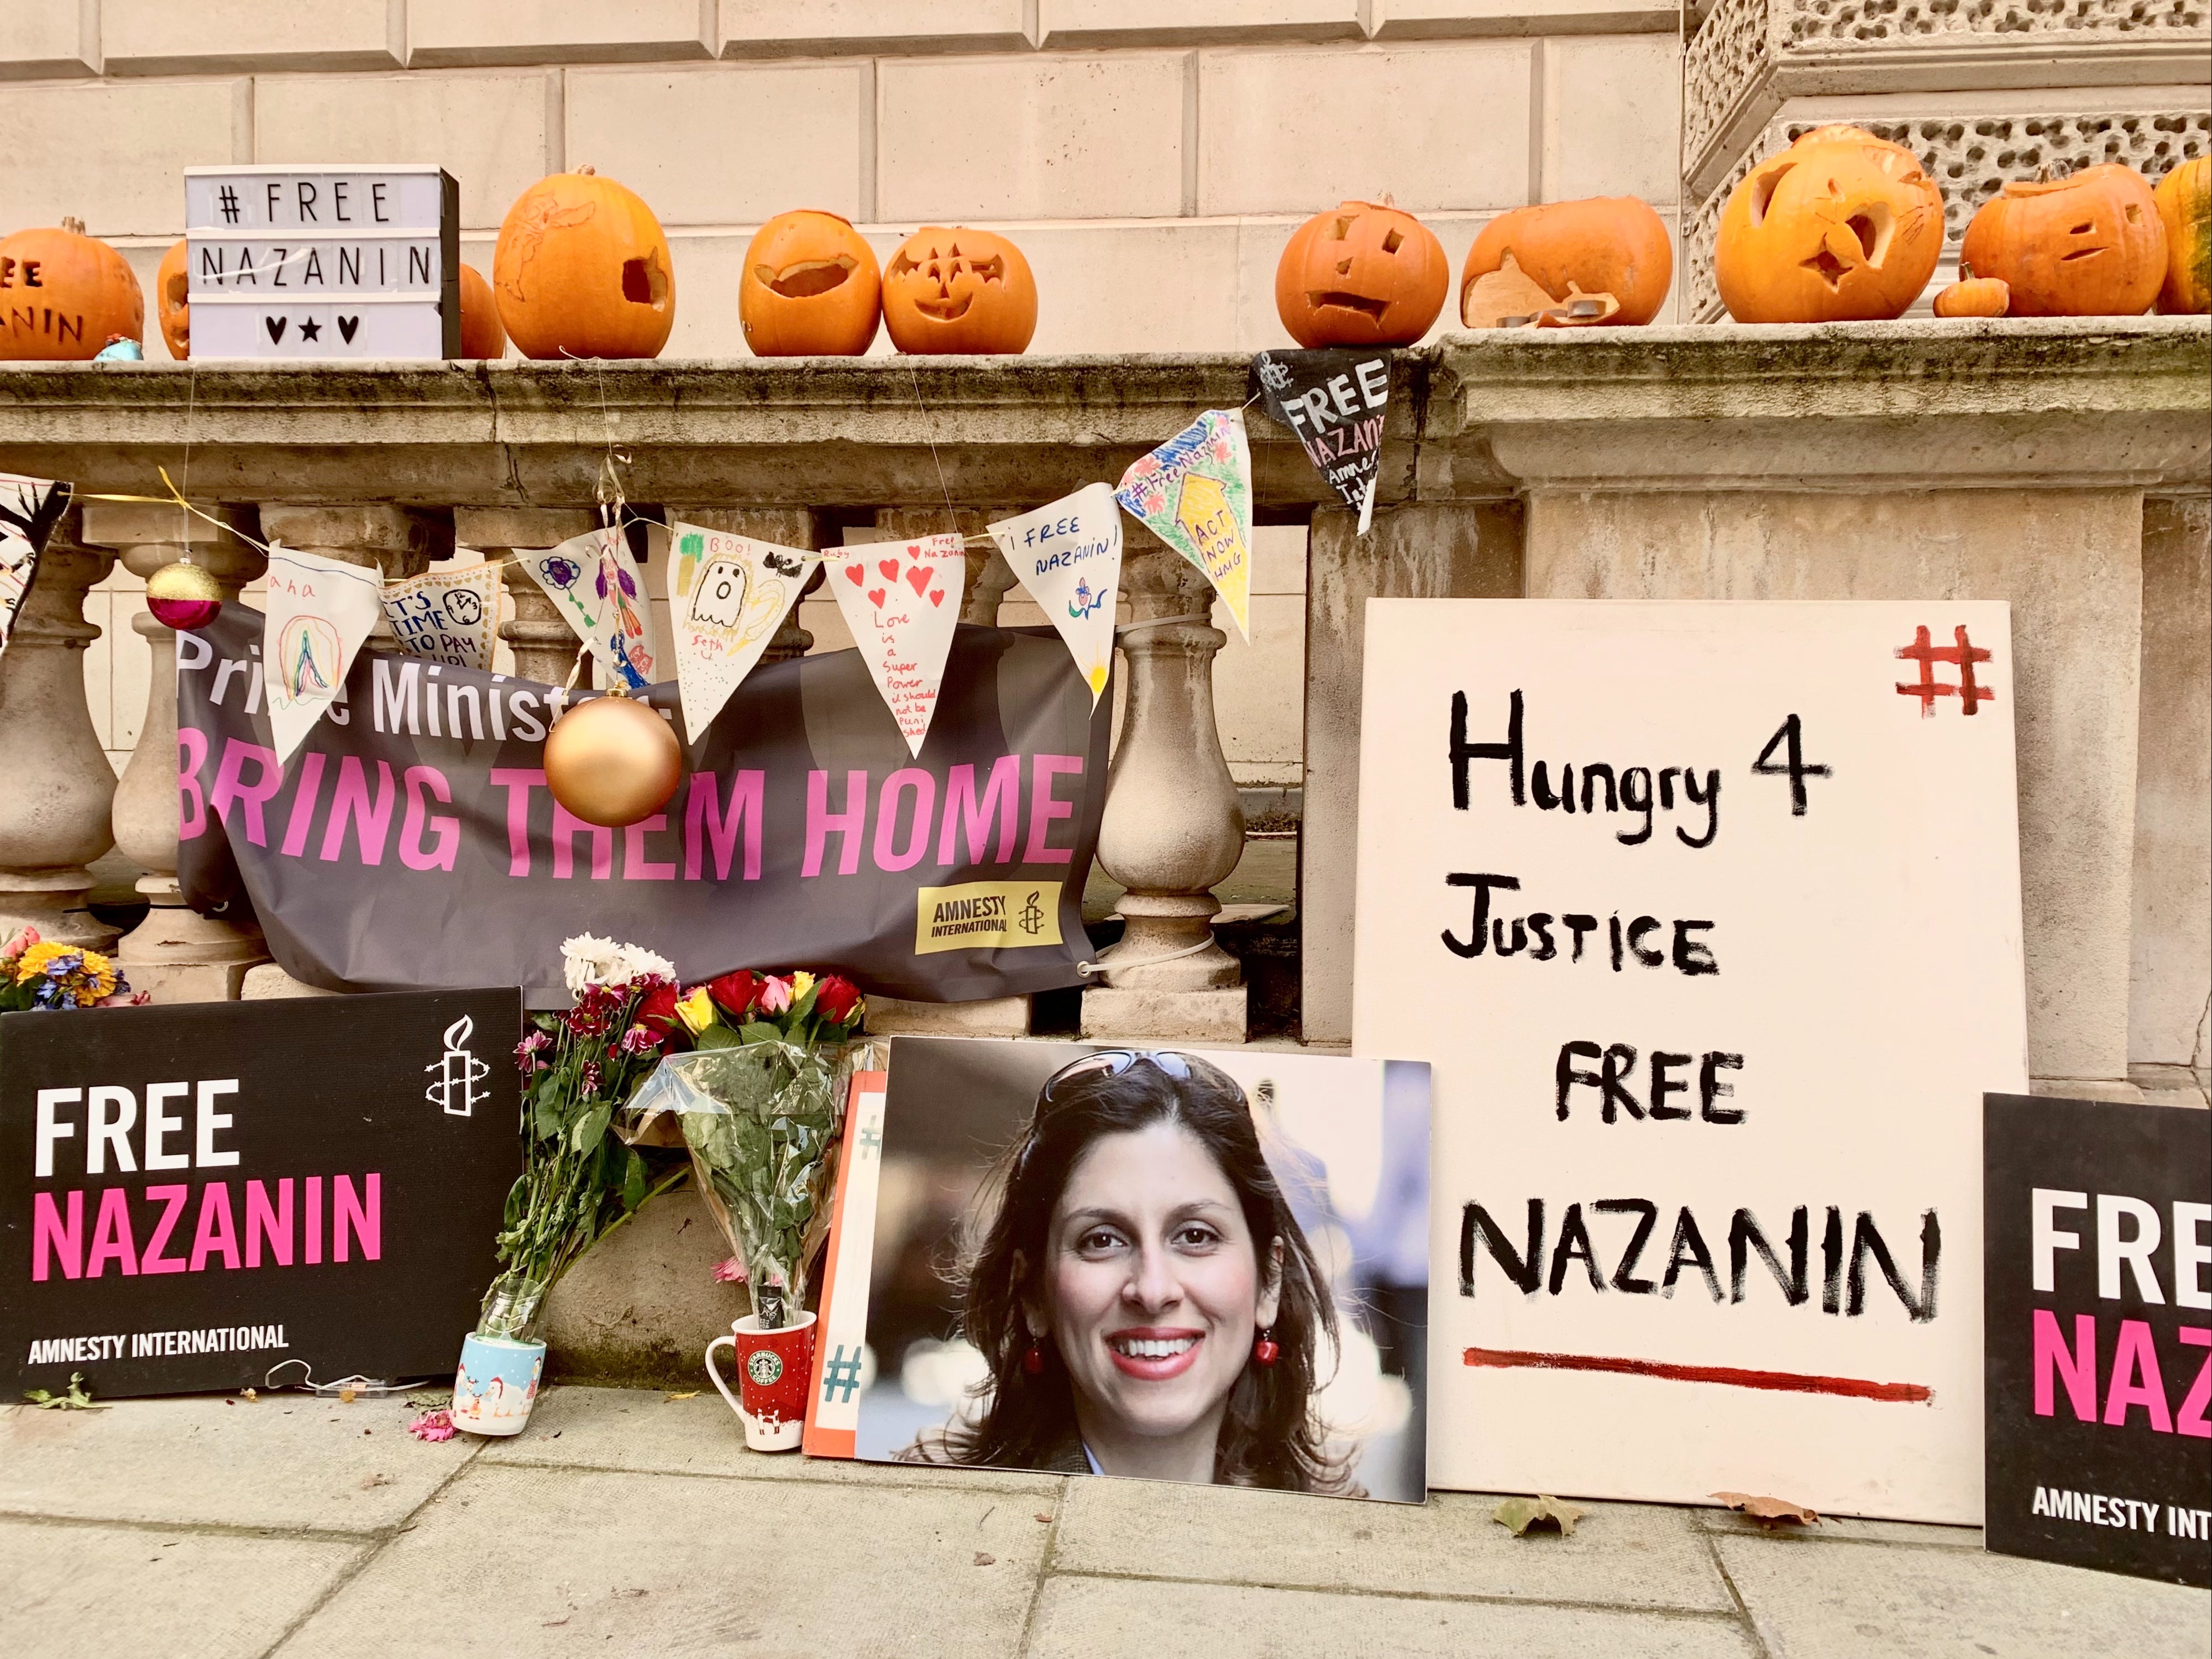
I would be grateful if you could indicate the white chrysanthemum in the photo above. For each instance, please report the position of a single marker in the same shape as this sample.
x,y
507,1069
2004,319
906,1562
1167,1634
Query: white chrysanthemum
x,y
587,959
635,961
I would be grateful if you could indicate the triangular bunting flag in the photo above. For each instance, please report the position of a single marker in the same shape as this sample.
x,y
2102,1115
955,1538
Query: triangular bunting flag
x,y
1068,556
1194,493
1334,403
901,603
728,594
449,617
599,590
318,611
29,509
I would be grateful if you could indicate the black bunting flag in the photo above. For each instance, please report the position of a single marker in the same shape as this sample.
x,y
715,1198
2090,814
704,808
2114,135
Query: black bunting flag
x,y
1334,401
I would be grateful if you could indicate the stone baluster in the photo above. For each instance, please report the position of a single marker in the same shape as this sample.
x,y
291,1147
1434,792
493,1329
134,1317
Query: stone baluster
x,y
53,811
544,646
174,955
786,526
1173,827
396,542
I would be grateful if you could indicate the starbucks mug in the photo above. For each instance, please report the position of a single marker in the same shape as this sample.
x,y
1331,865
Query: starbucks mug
x,y
774,1367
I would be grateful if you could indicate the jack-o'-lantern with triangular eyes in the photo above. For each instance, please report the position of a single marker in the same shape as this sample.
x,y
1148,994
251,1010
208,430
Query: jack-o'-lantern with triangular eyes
x,y
1842,226
1362,274
2089,245
958,293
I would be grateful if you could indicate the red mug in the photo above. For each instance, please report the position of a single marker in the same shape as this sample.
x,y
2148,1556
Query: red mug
x,y
773,1371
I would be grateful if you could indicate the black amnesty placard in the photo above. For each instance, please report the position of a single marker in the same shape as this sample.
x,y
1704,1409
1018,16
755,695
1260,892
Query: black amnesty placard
x,y
1334,401
2098,1270
190,1195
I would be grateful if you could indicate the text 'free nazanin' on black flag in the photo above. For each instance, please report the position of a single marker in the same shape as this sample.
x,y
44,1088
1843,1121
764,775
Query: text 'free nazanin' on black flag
x,y
1334,401
412,842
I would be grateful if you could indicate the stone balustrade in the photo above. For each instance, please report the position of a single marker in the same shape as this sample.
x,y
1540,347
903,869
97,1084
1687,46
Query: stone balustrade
x,y
2061,466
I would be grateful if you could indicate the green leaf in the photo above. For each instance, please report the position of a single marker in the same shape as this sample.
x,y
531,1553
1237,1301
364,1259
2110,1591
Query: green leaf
x,y
1522,1514
634,1179
719,1036
77,1399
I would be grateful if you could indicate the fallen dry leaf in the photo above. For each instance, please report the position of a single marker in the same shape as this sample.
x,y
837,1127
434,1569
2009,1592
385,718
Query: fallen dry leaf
x,y
1768,1511
375,1480
346,1396
674,1397
1043,1518
983,1560
1522,1514
248,1395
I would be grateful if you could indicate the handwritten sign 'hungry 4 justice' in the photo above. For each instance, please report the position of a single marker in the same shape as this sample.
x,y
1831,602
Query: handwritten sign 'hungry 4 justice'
x,y
1708,917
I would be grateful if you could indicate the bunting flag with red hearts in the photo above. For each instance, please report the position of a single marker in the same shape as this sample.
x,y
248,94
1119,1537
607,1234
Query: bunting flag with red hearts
x,y
902,601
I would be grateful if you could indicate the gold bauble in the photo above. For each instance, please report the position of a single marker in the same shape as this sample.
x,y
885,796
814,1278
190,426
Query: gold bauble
x,y
613,761
183,595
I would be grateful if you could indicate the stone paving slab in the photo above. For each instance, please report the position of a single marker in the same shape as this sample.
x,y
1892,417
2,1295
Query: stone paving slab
x,y
287,1460
1621,1554
68,1589
1852,1602
1134,1618
517,1560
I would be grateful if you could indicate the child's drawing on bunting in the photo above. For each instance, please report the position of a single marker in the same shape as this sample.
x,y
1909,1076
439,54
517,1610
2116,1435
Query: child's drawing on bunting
x,y
29,508
728,594
449,617
1068,556
1194,493
600,593
901,603
318,611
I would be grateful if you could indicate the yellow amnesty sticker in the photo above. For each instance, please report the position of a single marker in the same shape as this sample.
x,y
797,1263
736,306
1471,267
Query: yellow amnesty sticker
x,y
982,915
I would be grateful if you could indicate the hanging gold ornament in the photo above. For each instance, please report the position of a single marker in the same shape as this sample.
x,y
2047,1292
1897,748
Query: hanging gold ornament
x,y
613,761
183,595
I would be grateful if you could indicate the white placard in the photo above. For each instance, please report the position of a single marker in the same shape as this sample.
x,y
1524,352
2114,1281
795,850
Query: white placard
x,y
1728,1021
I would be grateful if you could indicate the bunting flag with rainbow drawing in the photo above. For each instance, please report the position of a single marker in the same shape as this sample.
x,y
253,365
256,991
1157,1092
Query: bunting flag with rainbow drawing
x,y
318,612
1194,493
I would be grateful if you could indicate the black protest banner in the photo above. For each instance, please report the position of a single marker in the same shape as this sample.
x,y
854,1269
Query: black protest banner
x,y
1334,401
193,1195
412,840
2097,1265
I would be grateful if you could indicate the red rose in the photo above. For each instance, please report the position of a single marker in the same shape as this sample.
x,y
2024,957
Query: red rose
x,y
656,1011
836,998
735,994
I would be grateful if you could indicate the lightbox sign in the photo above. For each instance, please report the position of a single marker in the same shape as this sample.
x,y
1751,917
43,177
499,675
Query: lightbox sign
x,y
310,262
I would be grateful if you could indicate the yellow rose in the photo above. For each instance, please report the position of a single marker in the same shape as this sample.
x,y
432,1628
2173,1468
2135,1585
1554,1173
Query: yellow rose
x,y
696,1011
801,983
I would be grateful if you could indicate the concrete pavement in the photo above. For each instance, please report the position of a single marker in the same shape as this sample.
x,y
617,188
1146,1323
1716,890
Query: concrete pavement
x,y
627,1522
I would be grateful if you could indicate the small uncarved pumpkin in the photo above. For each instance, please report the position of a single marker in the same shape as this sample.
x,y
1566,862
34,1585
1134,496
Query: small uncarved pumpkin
x,y
172,299
1841,226
2089,246
64,295
581,270
482,336
1612,245
811,288
958,291
2184,206
1974,297
1362,274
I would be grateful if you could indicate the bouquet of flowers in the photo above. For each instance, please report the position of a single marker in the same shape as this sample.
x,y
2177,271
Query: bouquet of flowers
x,y
37,973
577,1181
758,1102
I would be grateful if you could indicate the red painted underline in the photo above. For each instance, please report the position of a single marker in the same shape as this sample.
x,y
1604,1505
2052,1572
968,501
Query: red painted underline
x,y
1850,1388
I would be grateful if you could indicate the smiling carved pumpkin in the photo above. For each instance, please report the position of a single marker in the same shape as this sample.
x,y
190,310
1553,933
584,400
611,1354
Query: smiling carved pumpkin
x,y
958,291
2091,245
811,288
1362,274
581,270
1842,226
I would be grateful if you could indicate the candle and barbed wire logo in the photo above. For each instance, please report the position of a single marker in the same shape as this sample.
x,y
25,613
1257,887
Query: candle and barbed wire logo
x,y
458,1073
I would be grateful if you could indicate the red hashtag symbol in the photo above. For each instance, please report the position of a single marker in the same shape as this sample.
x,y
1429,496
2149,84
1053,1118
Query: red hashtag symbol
x,y
1962,656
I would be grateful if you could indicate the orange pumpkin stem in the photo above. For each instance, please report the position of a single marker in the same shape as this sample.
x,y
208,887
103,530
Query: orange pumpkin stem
x,y
74,227
587,170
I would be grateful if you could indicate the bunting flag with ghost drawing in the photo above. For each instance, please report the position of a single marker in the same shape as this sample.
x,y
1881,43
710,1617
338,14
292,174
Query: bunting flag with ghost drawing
x,y
318,612
30,510
449,617
1194,493
902,602
600,593
1068,556
1335,402
728,594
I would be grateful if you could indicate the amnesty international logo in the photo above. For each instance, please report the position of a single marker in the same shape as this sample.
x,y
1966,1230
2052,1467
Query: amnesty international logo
x,y
987,915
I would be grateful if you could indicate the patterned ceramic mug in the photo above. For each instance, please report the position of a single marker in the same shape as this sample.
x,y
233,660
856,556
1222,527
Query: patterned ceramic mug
x,y
773,1369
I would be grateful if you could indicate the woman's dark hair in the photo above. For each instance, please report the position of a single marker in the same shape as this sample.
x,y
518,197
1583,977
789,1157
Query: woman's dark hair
x,y
1270,1436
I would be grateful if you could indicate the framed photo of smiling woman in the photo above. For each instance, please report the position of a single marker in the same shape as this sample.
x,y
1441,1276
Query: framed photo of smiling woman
x,y
1156,1263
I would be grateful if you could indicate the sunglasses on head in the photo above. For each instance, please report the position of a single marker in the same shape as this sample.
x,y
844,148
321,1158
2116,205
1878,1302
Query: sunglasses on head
x,y
1111,1063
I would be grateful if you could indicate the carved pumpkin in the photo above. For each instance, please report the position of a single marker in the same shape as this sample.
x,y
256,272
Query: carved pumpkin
x,y
581,270
172,299
481,333
958,291
2184,205
1973,296
63,293
2089,246
811,288
1613,244
1841,226
1362,274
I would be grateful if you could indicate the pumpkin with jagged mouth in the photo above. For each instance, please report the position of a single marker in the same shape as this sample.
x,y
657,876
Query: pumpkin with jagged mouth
x,y
1841,226
811,288
1362,274
959,292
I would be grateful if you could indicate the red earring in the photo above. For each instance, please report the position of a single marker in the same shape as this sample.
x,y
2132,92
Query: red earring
x,y
1033,1361
1264,1349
